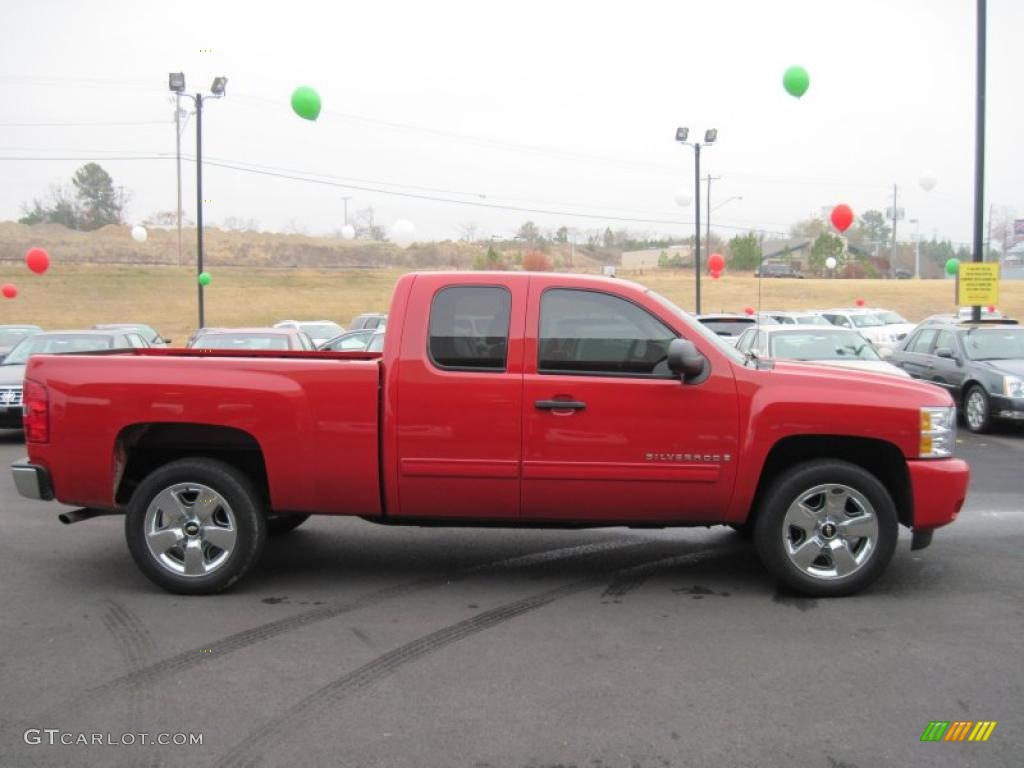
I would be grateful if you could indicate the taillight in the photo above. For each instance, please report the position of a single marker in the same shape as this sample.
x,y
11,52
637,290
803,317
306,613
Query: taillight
x,y
36,410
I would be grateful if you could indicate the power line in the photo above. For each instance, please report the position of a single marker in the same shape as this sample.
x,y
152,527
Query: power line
x,y
83,125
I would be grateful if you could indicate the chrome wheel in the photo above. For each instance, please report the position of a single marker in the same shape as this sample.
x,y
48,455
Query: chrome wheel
x,y
190,529
977,409
830,531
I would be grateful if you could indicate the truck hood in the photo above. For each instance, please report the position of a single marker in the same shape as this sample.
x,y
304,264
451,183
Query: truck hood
x,y
867,385
872,366
11,374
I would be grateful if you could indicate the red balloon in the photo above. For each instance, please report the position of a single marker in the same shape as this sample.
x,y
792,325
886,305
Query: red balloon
x,y
716,274
9,290
37,260
842,217
748,310
716,263
859,302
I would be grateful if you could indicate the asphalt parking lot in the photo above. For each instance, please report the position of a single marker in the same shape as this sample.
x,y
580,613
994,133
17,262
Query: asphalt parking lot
x,y
361,645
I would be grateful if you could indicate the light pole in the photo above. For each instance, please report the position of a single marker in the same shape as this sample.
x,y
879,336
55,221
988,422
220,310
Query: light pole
x,y
176,83
709,138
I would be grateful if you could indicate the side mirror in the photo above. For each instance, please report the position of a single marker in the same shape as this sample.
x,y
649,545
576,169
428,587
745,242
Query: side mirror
x,y
946,353
685,360
167,341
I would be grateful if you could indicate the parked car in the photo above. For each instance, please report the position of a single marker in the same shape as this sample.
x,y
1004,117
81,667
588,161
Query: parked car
x,y
728,326
11,335
981,365
251,338
369,320
12,369
501,398
795,318
827,345
769,269
349,341
895,323
902,274
867,323
376,343
146,331
320,331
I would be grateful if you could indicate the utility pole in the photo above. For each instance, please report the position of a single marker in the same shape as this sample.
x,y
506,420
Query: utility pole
x,y
346,199
177,142
979,145
199,206
895,217
696,216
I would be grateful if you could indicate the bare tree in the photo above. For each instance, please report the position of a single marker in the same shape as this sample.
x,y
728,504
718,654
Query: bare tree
x,y
469,231
365,225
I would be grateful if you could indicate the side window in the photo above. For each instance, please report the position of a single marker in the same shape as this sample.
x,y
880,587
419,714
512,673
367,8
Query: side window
x,y
136,341
923,341
838,320
743,343
945,339
469,328
590,332
305,342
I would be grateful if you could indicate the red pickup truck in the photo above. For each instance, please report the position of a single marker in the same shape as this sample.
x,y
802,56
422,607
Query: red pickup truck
x,y
510,399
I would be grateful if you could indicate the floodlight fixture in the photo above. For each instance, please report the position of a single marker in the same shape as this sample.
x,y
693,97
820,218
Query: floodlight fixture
x,y
710,135
682,133
219,84
176,82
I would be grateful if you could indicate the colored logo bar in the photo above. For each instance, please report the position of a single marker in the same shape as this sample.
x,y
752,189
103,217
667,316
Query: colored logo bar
x,y
959,730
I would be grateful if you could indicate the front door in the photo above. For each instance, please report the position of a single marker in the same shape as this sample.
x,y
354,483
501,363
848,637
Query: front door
x,y
609,434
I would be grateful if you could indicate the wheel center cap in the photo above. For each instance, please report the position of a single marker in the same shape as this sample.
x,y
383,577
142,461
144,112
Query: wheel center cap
x,y
829,530
192,528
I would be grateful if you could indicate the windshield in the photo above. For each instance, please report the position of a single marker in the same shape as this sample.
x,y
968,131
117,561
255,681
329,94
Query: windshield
x,y
240,341
689,321
821,345
891,318
995,344
728,326
11,336
866,321
55,345
811,320
321,330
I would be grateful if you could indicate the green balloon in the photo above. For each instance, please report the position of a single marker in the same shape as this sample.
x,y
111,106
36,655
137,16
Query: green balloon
x,y
796,81
952,266
204,278
306,102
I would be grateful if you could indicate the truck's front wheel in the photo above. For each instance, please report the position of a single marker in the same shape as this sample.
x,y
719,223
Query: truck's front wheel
x,y
826,528
195,526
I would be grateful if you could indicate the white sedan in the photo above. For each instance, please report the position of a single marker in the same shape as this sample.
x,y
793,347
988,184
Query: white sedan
x,y
817,344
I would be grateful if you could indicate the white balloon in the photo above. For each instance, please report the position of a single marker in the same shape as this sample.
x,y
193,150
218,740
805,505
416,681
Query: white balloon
x,y
683,197
831,262
928,181
403,233
348,232
139,233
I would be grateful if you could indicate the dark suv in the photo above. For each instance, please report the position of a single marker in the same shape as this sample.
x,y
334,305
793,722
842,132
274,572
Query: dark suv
x,y
981,364
776,270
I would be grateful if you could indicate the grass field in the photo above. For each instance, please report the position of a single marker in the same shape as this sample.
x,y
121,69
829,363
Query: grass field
x,y
165,297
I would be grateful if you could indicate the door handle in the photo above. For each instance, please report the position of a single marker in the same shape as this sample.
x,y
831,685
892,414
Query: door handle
x,y
559,405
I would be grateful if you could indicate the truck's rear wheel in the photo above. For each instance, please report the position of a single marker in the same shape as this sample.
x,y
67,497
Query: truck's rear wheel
x,y
826,528
195,526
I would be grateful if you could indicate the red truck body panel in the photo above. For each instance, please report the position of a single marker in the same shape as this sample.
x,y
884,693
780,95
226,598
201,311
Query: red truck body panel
x,y
348,433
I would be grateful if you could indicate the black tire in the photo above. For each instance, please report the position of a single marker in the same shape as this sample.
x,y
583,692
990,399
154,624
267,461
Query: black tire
x,y
280,523
982,416
774,537
743,530
238,514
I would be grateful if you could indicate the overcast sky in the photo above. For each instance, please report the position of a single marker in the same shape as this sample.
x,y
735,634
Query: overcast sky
x,y
561,106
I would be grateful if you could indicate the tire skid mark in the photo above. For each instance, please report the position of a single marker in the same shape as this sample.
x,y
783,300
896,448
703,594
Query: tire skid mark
x,y
186,660
250,752
629,579
136,647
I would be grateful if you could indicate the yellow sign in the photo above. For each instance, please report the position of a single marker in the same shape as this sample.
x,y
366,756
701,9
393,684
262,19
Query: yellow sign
x,y
977,285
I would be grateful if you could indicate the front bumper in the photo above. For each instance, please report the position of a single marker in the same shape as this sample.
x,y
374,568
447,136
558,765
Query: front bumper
x,y
939,488
1003,407
32,480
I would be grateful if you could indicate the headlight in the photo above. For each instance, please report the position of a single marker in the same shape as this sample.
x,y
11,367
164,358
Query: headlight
x,y
1013,387
938,432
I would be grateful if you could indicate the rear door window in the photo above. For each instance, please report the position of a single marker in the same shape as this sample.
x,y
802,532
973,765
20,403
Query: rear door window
x,y
469,328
